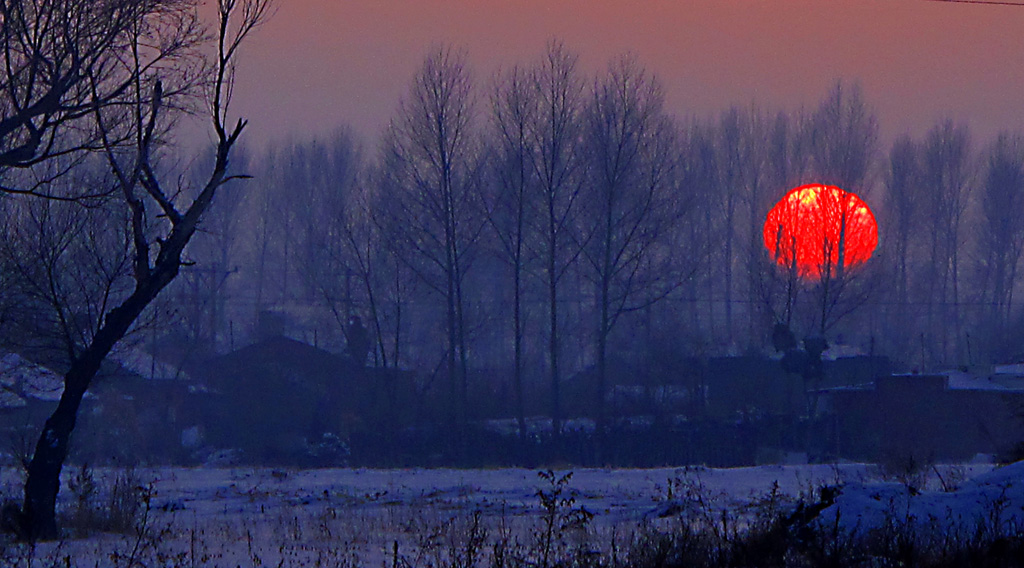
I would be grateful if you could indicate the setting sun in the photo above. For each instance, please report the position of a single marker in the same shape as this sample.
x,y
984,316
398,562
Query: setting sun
x,y
822,227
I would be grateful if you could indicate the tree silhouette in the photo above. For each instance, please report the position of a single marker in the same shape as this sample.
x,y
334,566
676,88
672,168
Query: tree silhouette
x,y
102,80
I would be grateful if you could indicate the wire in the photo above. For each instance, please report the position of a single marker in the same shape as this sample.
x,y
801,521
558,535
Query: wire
x,y
993,2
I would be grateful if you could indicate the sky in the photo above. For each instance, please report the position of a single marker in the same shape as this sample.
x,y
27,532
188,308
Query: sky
x,y
319,65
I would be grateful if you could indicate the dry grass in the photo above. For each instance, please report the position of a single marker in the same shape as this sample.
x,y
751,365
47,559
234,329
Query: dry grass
x,y
265,524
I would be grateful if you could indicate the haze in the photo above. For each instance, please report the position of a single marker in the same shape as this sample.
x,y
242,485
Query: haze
x,y
324,63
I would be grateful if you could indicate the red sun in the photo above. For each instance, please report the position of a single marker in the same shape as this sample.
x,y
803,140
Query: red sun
x,y
822,227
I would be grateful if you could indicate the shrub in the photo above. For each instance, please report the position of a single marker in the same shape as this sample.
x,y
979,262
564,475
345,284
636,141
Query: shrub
x,y
116,506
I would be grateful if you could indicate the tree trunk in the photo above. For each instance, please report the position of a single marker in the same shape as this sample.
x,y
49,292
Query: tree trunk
x,y
556,395
517,319
39,520
43,483
460,321
602,379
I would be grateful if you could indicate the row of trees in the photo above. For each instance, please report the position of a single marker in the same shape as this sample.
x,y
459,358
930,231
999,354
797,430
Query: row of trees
x,y
545,219
536,223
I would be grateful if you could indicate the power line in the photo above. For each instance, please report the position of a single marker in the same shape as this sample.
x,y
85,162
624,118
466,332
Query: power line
x,y
992,2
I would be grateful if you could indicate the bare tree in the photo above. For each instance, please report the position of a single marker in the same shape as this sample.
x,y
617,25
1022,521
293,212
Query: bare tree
x,y
901,235
837,284
948,170
756,191
844,139
756,166
733,151
105,77
903,202
559,167
285,209
195,321
63,59
387,282
514,108
355,262
301,215
700,174
262,204
788,165
1002,230
430,167
65,263
778,160
632,201
844,143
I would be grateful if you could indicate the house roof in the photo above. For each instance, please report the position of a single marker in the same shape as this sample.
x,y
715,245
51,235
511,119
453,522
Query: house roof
x,y
146,365
998,381
22,380
1009,382
278,352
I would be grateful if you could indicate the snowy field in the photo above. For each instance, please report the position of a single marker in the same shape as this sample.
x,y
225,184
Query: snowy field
x,y
418,517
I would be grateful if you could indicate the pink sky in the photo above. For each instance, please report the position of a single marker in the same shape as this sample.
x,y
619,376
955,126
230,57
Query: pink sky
x,y
321,64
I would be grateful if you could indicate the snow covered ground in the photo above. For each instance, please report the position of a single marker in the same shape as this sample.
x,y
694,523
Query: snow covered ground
x,y
991,502
246,516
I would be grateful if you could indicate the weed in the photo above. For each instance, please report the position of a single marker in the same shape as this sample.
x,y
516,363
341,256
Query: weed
x,y
559,517
115,506
705,530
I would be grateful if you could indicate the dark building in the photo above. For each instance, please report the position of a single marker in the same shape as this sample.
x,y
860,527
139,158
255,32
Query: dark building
x,y
942,417
760,386
281,400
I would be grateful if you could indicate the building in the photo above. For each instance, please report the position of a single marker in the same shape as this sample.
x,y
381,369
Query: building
x,y
279,400
949,416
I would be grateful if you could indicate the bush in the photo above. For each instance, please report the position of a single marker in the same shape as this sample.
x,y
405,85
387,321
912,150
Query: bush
x,y
116,506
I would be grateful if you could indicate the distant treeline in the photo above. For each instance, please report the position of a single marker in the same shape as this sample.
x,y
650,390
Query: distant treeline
x,y
545,221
